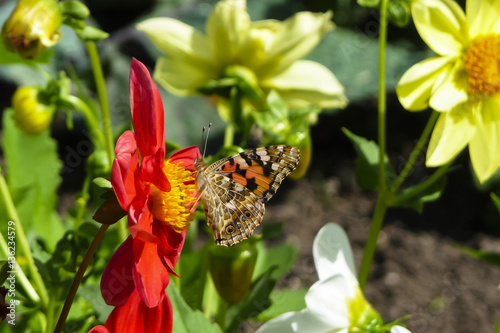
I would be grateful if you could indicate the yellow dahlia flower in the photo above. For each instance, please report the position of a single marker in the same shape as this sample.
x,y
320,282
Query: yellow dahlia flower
x,y
462,81
267,52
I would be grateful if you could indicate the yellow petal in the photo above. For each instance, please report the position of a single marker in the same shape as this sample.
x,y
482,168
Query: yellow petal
x,y
450,88
178,40
296,37
181,78
227,29
484,147
307,83
451,134
441,24
482,17
415,87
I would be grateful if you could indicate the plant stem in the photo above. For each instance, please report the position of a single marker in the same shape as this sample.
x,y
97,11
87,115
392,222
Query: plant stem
x,y
78,278
497,329
103,99
382,105
371,243
23,243
23,280
229,135
416,151
383,193
82,201
90,118
417,189
220,316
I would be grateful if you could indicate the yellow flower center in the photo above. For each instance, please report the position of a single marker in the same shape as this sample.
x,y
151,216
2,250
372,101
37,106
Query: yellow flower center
x,y
173,207
482,62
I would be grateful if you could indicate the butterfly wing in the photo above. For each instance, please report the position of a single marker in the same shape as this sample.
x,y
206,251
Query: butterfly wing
x,y
237,187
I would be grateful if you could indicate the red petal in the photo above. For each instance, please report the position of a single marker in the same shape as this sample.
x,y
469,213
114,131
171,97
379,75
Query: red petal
x,y
123,176
186,157
150,274
99,329
136,317
140,220
171,244
147,110
152,170
117,282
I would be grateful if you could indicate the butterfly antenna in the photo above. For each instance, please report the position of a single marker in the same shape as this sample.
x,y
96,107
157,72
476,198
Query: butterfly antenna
x,y
206,139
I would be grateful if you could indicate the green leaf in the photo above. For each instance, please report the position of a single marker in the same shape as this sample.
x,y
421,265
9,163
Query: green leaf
x,y
417,201
186,319
91,34
283,301
490,257
256,301
282,257
33,178
102,182
367,170
92,294
193,275
496,200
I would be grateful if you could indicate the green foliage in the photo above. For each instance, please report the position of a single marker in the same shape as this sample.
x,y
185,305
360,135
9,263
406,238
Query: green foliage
x,y
417,201
33,185
490,257
188,320
284,300
367,169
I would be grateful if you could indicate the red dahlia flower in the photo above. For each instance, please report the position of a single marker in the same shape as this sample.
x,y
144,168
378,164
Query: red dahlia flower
x,y
158,195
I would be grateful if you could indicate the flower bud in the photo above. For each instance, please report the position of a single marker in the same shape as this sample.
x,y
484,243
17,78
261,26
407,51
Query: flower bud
x,y
30,114
32,27
232,269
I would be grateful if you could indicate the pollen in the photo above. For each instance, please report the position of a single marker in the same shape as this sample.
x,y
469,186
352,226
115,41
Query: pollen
x,y
482,62
173,208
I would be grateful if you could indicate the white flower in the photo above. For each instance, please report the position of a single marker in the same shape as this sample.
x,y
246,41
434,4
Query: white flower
x,y
335,303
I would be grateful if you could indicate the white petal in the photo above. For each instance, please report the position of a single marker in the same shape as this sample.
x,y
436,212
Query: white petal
x,y
176,39
441,24
181,78
415,87
280,324
399,329
327,299
451,134
308,83
450,89
484,147
482,17
296,37
308,322
228,28
329,243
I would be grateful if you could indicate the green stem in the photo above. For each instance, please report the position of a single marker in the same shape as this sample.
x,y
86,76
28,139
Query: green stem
x,y
497,329
82,201
220,316
229,135
416,151
382,105
208,296
383,193
50,316
422,187
20,276
87,112
78,278
22,240
371,243
103,99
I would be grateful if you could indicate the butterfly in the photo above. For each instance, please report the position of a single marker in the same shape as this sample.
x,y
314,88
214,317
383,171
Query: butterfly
x,y
235,189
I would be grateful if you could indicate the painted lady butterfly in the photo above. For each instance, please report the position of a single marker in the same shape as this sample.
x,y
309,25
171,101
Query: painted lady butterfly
x,y
235,189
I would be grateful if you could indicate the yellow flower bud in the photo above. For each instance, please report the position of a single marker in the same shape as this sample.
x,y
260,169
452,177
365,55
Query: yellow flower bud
x,y
32,27
30,114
